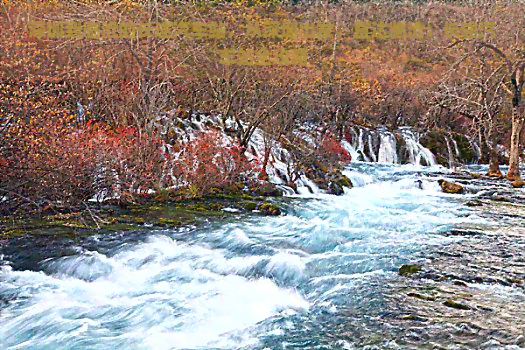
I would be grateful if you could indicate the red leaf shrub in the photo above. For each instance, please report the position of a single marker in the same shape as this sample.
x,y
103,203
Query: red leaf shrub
x,y
333,151
208,162
51,160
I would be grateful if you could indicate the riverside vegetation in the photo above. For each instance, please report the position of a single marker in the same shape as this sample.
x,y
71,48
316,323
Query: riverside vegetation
x,y
92,125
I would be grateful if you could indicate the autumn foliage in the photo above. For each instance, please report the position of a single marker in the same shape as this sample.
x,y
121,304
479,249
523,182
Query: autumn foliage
x,y
209,161
332,151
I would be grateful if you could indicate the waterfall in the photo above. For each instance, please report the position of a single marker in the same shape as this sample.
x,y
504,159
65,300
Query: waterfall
x,y
387,149
371,147
381,146
418,154
474,145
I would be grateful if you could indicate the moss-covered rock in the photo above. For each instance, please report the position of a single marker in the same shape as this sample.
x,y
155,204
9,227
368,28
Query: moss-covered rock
x,y
343,180
410,269
249,206
436,142
270,209
403,155
421,296
333,182
335,188
265,190
466,152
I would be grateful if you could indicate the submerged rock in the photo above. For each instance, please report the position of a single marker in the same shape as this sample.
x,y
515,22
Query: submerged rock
x,y
454,304
450,187
407,270
474,203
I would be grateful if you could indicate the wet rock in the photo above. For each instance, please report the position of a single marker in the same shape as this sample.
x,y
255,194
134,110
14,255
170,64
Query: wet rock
x,y
474,203
421,296
463,232
407,270
520,341
499,198
334,188
454,304
333,181
518,183
459,283
292,185
496,174
270,209
514,280
450,187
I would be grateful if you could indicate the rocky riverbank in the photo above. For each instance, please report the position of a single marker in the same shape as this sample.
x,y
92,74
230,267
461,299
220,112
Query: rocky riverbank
x,y
167,209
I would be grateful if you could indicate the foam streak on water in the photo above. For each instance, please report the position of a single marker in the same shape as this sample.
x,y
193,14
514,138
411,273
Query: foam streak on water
x,y
261,282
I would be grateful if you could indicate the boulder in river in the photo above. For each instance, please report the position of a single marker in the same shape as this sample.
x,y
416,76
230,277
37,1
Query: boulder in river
x,y
518,183
492,173
334,188
450,187
270,209
474,203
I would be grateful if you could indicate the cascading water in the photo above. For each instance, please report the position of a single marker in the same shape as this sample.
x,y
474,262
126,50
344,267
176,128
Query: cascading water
x,y
418,154
314,278
363,148
387,149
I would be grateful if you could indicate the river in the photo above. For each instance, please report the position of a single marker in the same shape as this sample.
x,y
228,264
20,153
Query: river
x,y
322,276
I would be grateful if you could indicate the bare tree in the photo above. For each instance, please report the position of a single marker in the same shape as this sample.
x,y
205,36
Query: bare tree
x,y
498,64
475,89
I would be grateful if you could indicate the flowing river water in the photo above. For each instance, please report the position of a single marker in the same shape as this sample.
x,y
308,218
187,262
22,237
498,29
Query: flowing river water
x,y
322,276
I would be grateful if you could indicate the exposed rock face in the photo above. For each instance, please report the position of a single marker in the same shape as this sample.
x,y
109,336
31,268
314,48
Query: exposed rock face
x,y
449,147
450,187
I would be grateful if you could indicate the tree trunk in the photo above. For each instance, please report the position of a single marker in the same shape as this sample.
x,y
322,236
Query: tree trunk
x,y
484,147
494,170
514,160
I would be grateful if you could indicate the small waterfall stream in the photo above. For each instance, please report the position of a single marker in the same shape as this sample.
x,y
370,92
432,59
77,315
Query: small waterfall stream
x,y
399,147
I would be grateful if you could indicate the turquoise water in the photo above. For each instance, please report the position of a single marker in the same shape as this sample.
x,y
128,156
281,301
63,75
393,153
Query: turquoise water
x,y
315,278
